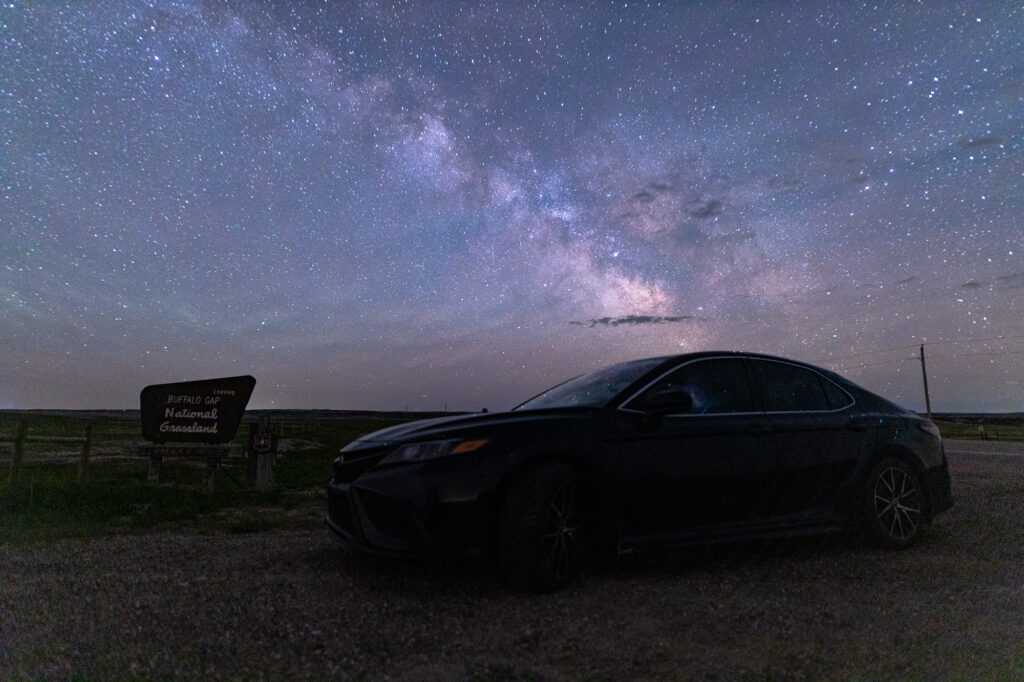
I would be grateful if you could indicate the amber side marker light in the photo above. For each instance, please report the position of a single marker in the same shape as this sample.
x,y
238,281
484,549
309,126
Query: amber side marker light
x,y
468,446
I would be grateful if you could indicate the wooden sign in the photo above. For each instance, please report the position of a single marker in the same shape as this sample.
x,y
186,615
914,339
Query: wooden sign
x,y
207,411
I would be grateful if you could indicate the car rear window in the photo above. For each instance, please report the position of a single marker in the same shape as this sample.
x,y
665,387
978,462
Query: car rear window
x,y
788,388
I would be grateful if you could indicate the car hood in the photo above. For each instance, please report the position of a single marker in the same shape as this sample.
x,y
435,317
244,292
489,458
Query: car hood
x,y
450,427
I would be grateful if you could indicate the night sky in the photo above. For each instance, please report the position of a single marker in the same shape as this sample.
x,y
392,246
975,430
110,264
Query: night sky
x,y
429,205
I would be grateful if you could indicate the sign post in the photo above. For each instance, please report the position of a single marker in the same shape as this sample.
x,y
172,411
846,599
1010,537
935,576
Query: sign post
x,y
262,453
193,419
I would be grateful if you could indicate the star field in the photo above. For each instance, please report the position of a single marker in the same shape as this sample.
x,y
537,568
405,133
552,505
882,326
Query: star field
x,y
419,205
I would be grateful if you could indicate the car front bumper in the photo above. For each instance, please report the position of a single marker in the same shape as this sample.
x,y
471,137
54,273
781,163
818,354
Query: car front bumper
x,y
407,516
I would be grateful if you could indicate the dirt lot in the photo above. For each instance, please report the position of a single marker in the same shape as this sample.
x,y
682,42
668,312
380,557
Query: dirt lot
x,y
293,605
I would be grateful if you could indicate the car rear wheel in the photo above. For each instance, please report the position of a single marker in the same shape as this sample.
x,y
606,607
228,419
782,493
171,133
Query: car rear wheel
x,y
543,527
895,513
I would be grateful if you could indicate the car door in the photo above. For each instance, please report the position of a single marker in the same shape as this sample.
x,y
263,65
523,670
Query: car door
x,y
817,444
694,451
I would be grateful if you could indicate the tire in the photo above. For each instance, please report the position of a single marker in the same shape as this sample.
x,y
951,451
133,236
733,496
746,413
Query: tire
x,y
543,527
895,506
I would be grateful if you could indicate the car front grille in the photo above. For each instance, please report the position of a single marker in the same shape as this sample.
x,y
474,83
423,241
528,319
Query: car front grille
x,y
390,517
355,464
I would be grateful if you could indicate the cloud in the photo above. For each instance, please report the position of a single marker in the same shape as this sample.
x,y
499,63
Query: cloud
x,y
786,183
633,320
975,142
649,212
1014,280
650,197
873,284
702,210
694,237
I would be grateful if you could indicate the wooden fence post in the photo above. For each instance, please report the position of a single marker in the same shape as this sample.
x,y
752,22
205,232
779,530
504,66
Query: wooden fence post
x,y
19,449
250,453
211,472
83,460
262,453
155,463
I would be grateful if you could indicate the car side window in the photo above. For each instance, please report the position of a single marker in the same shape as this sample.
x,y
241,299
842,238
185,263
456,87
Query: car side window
x,y
714,386
837,397
788,388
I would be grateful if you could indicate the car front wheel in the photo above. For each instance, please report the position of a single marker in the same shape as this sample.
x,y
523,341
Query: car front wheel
x,y
543,527
895,505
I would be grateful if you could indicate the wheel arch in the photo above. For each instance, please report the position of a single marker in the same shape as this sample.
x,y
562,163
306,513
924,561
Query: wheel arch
x,y
607,515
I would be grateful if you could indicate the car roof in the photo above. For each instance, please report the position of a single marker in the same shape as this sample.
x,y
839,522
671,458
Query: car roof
x,y
672,360
734,353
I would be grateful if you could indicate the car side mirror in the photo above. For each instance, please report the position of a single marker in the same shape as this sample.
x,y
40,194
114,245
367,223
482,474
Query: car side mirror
x,y
669,400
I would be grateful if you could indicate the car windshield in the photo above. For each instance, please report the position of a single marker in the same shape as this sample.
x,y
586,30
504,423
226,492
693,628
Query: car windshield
x,y
592,390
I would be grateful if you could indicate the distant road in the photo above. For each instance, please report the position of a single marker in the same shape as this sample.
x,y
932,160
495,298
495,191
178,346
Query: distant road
x,y
983,447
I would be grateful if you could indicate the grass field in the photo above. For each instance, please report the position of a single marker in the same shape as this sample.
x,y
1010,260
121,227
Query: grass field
x,y
1009,432
47,500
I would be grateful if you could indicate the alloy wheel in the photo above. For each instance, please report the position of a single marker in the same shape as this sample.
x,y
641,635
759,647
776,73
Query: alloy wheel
x,y
563,531
898,504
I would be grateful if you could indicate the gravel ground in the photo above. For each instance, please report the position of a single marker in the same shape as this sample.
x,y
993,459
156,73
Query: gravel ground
x,y
293,605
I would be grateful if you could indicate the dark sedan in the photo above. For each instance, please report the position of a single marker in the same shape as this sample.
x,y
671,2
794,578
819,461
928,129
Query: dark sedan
x,y
663,451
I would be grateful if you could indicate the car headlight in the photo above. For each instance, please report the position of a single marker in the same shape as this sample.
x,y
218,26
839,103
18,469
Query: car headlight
x,y
432,449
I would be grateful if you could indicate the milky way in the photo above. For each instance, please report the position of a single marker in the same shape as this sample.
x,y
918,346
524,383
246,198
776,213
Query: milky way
x,y
429,205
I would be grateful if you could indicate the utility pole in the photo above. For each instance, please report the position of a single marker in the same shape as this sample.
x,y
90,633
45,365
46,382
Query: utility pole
x,y
924,375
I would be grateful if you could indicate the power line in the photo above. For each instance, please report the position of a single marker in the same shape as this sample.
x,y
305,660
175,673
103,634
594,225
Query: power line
x,y
978,355
883,362
939,357
865,353
915,345
991,338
